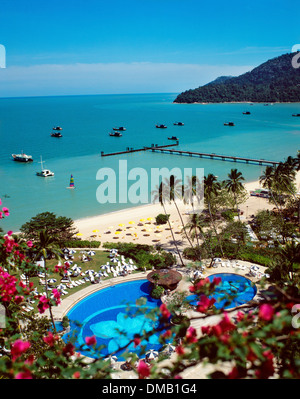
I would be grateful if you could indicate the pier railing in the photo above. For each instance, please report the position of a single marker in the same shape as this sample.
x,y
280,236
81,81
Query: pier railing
x,y
165,149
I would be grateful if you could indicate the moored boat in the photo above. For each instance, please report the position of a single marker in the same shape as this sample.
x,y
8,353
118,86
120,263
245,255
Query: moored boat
x,y
115,134
246,113
296,115
57,128
44,172
121,128
161,126
56,134
173,138
22,157
178,123
228,124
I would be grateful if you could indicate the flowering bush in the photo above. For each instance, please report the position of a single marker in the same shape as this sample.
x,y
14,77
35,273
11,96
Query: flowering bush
x,y
257,341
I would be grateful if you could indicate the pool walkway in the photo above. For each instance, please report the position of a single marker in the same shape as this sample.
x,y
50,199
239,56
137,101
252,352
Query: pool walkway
x,y
67,303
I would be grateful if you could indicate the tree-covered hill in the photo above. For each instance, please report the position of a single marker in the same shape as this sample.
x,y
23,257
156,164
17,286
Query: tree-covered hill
x,y
273,81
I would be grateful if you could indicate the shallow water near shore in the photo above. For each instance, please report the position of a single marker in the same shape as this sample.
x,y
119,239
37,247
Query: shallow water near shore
x,y
269,132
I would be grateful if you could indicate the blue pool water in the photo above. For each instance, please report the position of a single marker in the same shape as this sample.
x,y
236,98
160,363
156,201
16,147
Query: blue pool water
x,y
105,312
232,284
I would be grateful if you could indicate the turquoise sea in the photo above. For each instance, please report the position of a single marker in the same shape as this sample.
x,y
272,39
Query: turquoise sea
x,y
270,132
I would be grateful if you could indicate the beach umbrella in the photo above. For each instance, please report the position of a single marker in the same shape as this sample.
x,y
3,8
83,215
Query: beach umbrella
x,y
95,231
61,287
51,280
149,218
79,234
131,222
142,220
91,253
148,229
254,267
112,359
121,224
117,232
152,354
170,348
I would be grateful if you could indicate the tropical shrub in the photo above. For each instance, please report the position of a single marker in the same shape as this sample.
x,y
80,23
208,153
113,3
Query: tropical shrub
x,y
162,218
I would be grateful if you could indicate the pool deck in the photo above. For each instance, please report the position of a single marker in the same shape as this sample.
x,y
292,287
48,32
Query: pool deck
x,y
197,372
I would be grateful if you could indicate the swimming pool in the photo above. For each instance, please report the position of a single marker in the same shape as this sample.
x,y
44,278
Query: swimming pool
x,y
231,284
106,311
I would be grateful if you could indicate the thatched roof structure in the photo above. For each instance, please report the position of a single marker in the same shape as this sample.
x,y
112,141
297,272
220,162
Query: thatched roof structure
x,y
167,278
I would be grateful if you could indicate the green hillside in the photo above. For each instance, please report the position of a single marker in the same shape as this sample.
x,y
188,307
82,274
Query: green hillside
x,y
273,81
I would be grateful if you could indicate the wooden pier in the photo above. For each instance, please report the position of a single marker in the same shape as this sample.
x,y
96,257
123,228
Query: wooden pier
x,y
130,150
165,149
216,156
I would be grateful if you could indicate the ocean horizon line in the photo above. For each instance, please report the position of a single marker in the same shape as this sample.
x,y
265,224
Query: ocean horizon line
x,y
87,95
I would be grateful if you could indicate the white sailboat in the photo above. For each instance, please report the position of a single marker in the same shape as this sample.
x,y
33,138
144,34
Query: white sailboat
x,y
44,172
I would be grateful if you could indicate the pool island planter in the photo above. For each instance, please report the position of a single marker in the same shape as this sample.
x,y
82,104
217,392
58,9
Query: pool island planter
x,y
166,278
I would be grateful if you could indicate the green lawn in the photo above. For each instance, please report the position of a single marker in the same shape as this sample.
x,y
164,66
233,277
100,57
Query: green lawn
x,y
100,258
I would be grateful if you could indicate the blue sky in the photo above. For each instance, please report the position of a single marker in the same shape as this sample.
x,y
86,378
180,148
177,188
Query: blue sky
x,y
128,46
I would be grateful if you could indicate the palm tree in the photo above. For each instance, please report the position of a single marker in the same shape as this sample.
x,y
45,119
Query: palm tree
x,y
193,191
234,185
46,246
286,173
290,254
161,194
195,226
211,189
176,191
267,180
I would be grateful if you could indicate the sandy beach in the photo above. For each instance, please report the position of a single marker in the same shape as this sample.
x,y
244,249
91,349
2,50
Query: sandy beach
x,y
137,224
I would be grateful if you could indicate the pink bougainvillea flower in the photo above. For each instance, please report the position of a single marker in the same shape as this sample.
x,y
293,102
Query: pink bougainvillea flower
x,y
76,374
205,303
90,340
191,335
56,295
216,281
24,375
226,324
266,312
68,350
164,311
29,244
18,348
143,370
50,339
5,211
43,304
179,350
137,340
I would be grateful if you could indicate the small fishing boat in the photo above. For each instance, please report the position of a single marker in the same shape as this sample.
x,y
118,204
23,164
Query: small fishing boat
x,y
121,128
115,134
161,126
44,172
71,185
56,134
178,123
229,124
173,138
22,157
57,128
296,115
246,113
